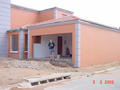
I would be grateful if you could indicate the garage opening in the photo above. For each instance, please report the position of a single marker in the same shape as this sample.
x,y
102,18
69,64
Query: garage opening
x,y
63,46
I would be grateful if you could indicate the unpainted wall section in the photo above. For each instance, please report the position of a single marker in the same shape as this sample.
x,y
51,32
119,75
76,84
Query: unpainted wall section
x,y
98,45
41,49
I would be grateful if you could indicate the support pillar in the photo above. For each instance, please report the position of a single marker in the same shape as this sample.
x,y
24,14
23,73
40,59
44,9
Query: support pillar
x,y
55,14
21,40
29,44
77,45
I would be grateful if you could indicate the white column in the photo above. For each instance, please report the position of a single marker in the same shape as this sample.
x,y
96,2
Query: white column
x,y
29,44
77,45
21,40
55,14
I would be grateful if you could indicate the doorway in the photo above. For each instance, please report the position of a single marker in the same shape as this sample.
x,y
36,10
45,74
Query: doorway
x,y
59,45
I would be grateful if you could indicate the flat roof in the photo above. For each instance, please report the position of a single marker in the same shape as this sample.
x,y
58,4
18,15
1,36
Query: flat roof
x,y
23,8
38,11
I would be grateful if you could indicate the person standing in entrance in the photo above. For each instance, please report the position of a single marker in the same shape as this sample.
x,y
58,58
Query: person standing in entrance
x,y
51,46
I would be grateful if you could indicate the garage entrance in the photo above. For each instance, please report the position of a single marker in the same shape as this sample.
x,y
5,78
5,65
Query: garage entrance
x,y
62,43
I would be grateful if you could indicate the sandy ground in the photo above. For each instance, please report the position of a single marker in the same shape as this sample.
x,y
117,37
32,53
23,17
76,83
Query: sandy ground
x,y
13,71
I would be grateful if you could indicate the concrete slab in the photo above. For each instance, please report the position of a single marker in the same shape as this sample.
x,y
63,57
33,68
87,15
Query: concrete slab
x,y
24,85
46,79
87,83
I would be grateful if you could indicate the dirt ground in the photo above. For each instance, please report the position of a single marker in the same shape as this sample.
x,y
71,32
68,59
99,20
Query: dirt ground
x,y
13,71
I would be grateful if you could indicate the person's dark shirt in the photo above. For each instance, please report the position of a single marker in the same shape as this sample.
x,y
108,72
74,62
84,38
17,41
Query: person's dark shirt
x,y
51,45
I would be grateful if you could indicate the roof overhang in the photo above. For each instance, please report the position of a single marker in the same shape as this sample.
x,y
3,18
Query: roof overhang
x,y
74,22
53,24
99,25
17,29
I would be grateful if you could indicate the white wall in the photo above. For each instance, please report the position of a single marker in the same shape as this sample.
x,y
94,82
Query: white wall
x,y
4,26
42,50
68,39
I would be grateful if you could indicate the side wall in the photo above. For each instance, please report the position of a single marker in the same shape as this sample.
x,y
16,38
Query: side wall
x,y
4,26
99,45
22,17
45,15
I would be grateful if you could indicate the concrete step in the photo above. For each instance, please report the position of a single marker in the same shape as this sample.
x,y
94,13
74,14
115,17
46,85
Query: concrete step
x,y
47,79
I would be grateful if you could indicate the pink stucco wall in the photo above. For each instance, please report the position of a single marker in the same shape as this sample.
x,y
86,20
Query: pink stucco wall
x,y
99,45
60,13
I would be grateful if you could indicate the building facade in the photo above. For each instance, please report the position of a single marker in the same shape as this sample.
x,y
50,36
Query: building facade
x,y
89,43
4,26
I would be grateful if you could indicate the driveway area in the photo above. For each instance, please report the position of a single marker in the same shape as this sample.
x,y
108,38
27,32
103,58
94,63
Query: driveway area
x,y
106,81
